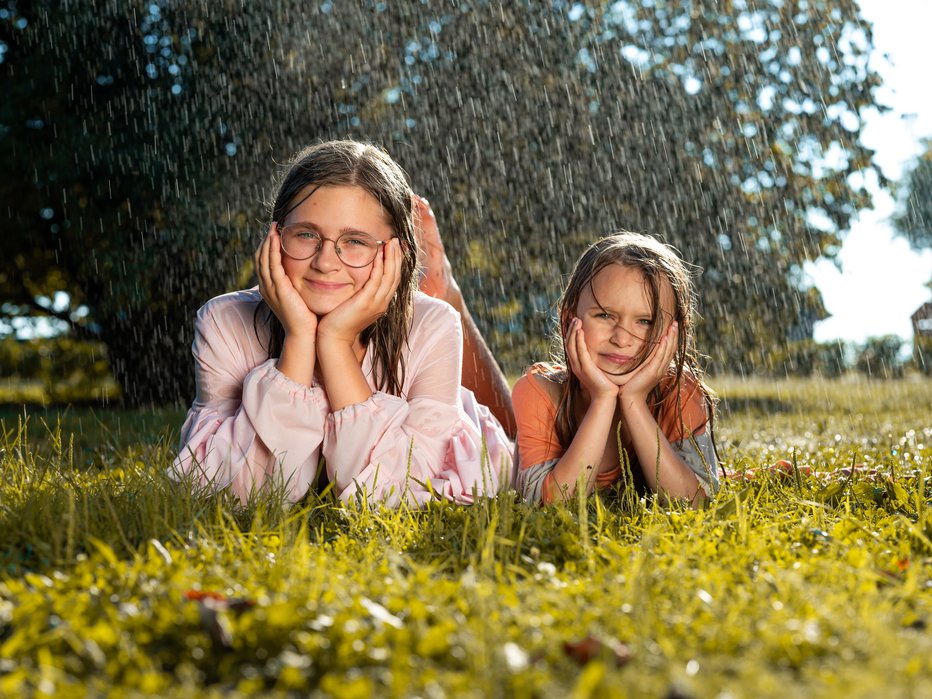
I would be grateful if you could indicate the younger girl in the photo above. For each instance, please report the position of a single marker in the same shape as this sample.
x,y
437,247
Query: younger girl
x,y
336,362
632,381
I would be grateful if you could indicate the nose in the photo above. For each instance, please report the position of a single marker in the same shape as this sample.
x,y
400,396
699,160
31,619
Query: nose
x,y
326,259
622,336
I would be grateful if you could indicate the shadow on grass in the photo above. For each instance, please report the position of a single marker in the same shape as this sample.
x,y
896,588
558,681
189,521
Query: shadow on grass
x,y
96,430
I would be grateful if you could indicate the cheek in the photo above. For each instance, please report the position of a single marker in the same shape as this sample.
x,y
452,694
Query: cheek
x,y
294,269
593,332
360,275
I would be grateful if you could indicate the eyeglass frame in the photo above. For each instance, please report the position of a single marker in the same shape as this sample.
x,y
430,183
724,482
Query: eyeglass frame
x,y
336,247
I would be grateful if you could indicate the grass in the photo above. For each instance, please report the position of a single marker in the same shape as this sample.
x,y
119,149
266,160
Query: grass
x,y
117,582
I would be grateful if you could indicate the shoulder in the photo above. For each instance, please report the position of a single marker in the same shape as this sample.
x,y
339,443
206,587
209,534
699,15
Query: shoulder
x,y
232,317
541,380
426,307
430,315
235,305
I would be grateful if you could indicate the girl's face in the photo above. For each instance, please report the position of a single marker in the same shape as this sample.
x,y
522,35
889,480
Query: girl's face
x,y
323,280
617,316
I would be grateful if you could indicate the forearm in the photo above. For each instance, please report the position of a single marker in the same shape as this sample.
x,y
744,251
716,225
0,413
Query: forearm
x,y
297,359
664,471
342,375
585,453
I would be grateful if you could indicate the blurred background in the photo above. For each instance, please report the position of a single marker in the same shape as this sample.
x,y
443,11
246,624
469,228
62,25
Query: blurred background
x,y
783,146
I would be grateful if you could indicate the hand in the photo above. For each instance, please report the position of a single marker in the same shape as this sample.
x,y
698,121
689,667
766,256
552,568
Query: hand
x,y
344,323
639,383
278,291
595,381
437,274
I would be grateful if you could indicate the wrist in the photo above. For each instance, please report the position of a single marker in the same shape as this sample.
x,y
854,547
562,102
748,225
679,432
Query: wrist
x,y
302,336
602,401
332,349
630,403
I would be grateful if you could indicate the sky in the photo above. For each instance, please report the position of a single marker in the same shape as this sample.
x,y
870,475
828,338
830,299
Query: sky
x,y
882,281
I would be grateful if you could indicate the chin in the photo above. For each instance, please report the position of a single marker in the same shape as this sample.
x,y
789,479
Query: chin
x,y
619,369
321,307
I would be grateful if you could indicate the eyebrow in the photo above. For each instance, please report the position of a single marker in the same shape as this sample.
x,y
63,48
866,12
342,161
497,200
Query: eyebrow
x,y
340,234
612,311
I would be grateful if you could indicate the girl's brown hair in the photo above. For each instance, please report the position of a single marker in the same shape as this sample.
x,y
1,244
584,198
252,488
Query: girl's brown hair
x,y
658,263
363,165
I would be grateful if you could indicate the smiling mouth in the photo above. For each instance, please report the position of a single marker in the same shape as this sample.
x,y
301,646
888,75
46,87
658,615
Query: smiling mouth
x,y
617,358
325,286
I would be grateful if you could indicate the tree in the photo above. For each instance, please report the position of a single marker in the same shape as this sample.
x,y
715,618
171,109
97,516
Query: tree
x,y
914,222
880,357
139,139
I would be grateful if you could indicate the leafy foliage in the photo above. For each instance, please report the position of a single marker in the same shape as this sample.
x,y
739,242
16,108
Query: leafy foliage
x,y
139,138
58,370
808,358
880,357
915,221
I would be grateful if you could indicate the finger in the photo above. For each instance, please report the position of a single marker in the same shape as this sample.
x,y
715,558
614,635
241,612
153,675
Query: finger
x,y
587,366
262,265
364,300
672,344
276,269
659,359
381,290
262,243
582,350
396,259
570,344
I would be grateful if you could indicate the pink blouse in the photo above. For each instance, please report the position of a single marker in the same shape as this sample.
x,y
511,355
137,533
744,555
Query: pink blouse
x,y
251,427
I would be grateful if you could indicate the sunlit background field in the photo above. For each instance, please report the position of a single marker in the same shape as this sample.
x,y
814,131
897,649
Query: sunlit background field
x,y
811,580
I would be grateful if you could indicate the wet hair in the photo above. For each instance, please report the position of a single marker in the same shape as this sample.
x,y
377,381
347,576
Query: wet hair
x,y
363,165
660,265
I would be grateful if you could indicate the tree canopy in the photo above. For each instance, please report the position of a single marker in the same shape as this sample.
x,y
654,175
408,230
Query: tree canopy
x,y
141,140
914,222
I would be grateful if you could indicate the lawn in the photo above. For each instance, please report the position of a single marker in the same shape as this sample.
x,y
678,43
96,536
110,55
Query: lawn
x,y
811,580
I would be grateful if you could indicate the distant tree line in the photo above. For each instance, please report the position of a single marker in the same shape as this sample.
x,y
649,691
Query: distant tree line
x,y
878,357
139,141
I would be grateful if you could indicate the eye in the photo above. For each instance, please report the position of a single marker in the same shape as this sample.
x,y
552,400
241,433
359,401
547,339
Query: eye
x,y
357,241
602,315
301,232
646,322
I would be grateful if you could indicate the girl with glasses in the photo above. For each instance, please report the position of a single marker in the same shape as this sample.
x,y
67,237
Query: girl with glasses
x,y
337,368
628,408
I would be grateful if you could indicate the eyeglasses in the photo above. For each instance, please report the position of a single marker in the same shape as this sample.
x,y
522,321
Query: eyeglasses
x,y
301,242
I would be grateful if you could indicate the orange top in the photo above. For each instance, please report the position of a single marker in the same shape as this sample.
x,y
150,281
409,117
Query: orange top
x,y
536,415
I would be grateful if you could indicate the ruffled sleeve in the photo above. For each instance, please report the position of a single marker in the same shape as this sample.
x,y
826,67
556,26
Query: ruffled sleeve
x,y
250,427
393,449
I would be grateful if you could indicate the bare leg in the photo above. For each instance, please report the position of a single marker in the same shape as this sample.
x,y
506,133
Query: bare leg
x,y
481,373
